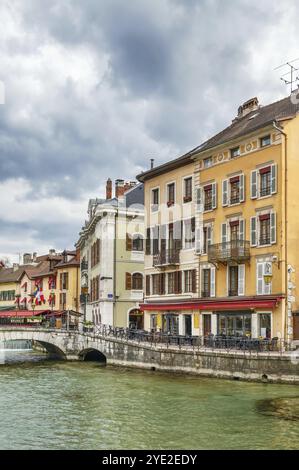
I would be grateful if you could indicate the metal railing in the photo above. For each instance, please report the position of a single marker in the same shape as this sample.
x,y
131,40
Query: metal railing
x,y
167,257
266,191
213,342
235,250
265,241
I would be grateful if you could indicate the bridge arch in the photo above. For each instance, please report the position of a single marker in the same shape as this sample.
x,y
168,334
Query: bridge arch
x,y
92,354
53,350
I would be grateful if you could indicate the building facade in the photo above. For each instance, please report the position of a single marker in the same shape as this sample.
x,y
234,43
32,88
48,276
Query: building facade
x,y
111,244
48,282
221,229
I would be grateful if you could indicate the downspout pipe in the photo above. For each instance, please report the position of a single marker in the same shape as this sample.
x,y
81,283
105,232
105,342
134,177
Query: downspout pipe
x,y
281,131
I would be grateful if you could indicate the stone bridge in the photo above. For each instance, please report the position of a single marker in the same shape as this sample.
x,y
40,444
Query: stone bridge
x,y
272,367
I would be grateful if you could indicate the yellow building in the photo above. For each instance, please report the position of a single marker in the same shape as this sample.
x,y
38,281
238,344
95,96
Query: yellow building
x,y
43,283
222,230
9,279
56,278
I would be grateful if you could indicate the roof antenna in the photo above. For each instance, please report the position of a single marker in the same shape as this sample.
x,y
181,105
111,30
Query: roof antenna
x,y
291,77
152,163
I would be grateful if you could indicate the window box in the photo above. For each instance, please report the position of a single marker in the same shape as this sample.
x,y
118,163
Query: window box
x,y
187,198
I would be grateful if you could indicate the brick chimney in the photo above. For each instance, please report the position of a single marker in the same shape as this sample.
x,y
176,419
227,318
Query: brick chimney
x,y
129,185
119,188
109,189
248,106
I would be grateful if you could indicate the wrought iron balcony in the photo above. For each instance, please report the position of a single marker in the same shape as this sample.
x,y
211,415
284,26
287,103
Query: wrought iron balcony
x,y
166,258
235,250
84,265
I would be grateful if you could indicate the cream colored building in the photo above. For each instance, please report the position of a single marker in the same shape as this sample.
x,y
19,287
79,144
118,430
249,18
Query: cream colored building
x,y
111,244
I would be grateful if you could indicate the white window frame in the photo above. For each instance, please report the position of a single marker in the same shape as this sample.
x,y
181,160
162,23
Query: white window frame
x,y
266,288
184,233
273,170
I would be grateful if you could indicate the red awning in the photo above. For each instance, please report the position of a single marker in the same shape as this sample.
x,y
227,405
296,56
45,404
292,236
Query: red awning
x,y
215,305
267,169
264,217
233,223
22,313
235,179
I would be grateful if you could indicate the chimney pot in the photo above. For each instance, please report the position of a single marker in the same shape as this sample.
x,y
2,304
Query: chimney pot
x,y
248,106
119,188
152,163
109,189
27,258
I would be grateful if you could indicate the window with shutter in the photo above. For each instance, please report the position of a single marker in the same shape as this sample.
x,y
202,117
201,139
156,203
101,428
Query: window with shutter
x,y
213,282
241,279
273,227
259,278
242,229
242,188
128,242
128,281
214,196
273,179
225,192
198,239
223,233
253,184
253,231
148,285
148,242
198,198
162,283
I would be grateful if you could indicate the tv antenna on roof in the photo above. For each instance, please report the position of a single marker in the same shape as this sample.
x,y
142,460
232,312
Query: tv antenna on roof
x,y
290,77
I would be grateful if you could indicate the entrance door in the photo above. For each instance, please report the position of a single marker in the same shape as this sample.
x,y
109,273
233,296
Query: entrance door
x,y
136,320
171,324
207,325
188,325
296,326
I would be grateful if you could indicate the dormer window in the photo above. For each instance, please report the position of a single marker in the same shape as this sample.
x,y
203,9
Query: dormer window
x,y
265,141
235,152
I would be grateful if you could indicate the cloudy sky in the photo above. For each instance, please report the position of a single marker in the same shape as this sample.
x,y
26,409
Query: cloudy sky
x,y
95,88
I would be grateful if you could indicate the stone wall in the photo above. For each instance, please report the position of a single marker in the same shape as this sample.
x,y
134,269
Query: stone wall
x,y
270,367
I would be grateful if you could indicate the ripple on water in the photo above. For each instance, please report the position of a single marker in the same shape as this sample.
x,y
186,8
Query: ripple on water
x,y
65,405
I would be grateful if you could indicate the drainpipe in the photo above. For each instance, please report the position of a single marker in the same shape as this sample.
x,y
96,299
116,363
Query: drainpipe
x,y
281,131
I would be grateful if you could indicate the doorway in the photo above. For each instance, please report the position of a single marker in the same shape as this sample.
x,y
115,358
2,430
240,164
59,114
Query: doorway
x,y
188,325
207,324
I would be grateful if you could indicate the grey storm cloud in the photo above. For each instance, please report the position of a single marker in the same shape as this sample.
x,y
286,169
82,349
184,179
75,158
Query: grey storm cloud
x,y
94,89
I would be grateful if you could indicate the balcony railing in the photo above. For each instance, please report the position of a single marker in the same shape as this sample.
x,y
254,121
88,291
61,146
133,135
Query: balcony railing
x,y
265,191
265,241
235,250
166,258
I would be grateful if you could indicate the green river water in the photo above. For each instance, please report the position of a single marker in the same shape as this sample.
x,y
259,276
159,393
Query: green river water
x,y
70,405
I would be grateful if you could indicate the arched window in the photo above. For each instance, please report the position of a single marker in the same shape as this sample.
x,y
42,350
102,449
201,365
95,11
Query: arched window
x,y
137,281
137,244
